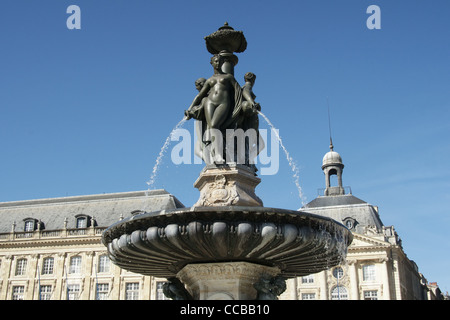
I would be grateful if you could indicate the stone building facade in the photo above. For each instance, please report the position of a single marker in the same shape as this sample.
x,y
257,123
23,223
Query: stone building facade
x,y
50,249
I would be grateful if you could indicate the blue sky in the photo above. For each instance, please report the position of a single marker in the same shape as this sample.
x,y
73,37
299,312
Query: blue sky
x,y
87,111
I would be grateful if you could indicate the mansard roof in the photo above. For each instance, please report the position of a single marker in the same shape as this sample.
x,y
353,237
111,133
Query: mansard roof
x,y
346,207
105,209
339,200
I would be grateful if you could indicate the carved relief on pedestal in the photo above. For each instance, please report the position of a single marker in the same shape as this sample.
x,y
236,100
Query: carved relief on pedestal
x,y
226,186
219,192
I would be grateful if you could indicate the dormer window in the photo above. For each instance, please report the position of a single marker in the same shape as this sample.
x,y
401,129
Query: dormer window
x,y
350,223
30,224
82,221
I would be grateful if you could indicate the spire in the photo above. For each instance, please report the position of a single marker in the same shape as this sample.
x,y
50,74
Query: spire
x,y
329,126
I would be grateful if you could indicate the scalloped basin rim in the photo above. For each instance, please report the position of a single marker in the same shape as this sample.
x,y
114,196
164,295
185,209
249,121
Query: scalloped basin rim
x,y
227,213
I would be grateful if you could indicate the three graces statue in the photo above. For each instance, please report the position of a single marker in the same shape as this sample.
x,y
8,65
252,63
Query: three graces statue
x,y
226,113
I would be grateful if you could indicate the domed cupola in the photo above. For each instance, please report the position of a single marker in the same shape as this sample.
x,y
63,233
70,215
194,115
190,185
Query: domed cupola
x,y
332,165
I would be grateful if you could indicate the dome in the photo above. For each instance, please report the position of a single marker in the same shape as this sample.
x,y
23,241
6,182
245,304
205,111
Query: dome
x,y
332,158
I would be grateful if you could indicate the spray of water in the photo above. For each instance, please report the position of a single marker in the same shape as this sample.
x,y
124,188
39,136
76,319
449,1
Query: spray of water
x,y
162,152
291,161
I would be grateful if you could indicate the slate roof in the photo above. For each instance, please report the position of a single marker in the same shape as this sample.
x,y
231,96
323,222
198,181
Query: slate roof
x,y
106,209
344,207
326,201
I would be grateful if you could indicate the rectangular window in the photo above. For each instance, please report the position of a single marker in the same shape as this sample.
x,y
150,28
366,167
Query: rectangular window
x,y
371,295
47,267
159,291
18,292
369,272
45,292
308,279
308,296
73,291
103,263
75,265
21,267
132,291
102,291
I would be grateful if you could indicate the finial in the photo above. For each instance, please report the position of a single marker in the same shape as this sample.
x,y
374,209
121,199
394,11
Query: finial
x,y
329,126
226,27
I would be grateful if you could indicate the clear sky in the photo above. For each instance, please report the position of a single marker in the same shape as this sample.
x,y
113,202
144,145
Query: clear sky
x,y
87,111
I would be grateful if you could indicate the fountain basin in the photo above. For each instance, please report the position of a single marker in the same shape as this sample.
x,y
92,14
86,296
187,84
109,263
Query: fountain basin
x,y
162,243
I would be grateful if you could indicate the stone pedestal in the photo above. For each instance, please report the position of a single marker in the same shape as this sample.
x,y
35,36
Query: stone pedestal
x,y
224,281
227,185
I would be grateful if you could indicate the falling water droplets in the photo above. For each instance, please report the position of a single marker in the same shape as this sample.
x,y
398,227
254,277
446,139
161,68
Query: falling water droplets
x,y
294,168
159,159
162,152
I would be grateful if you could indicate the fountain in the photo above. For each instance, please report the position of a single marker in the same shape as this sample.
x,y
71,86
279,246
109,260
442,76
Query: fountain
x,y
227,245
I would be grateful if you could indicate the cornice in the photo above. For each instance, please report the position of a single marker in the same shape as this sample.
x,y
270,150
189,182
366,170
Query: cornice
x,y
84,198
39,243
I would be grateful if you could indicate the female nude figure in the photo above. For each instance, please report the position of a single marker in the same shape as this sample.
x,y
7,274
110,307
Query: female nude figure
x,y
216,99
218,91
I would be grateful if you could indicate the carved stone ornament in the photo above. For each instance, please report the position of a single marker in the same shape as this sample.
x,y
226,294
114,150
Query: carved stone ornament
x,y
226,186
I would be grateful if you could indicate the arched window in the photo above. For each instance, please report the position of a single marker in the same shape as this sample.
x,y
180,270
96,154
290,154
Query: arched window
x,y
339,293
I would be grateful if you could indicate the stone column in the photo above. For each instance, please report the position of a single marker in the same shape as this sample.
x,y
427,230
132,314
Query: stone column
x,y
146,287
294,288
323,285
6,266
354,295
224,281
32,273
60,271
396,277
115,293
88,281
385,279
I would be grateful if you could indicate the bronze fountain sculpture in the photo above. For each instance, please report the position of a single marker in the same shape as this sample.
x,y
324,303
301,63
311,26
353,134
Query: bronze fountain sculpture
x,y
227,245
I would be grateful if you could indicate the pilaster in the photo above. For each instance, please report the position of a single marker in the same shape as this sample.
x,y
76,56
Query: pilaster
x,y
353,274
